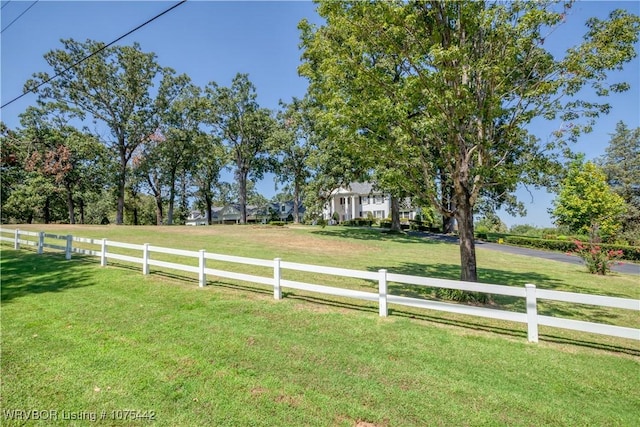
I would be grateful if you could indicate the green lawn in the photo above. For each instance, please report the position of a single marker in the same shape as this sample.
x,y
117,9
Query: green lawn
x,y
83,339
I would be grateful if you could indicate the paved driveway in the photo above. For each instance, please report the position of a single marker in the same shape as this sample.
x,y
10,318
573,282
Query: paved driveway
x,y
627,268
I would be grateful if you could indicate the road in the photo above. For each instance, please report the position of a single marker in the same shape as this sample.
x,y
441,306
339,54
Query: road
x,y
625,267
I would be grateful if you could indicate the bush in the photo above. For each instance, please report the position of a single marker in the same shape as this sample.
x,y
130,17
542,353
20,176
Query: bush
x,y
630,253
358,222
463,296
277,223
597,259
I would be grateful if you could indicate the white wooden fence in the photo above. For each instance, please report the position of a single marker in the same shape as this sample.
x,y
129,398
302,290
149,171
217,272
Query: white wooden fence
x,y
382,277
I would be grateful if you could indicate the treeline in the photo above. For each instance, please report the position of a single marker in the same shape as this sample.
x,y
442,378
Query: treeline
x,y
164,149
433,100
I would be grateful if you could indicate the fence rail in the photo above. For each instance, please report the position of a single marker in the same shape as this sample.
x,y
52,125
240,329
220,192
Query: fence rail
x,y
382,277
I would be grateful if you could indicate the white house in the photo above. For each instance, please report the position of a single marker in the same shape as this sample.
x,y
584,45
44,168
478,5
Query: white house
x,y
358,200
230,214
196,218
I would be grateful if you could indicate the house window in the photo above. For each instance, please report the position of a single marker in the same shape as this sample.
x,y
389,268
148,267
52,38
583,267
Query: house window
x,y
342,200
283,208
378,214
378,200
364,200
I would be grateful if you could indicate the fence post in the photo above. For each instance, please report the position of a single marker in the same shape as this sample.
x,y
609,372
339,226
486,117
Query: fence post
x,y
202,264
382,291
103,253
67,253
16,243
145,259
40,242
532,313
277,290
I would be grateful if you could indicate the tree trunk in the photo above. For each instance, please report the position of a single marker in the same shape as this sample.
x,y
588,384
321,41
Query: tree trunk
x,y
296,203
184,201
395,214
159,213
47,211
208,202
158,197
242,182
136,220
81,207
448,224
70,205
172,195
122,180
464,216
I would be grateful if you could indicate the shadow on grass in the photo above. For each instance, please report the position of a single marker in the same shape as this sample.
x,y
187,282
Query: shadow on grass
x,y
585,312
55,274
26,272
371,234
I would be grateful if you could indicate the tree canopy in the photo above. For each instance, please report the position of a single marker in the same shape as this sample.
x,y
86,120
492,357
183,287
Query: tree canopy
x,y
110,84
452,88
586,203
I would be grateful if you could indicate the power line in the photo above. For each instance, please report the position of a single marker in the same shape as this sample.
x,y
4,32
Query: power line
x,y
93,54
5,4
23,12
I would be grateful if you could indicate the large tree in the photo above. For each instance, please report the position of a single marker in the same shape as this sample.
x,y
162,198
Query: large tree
x,y
621,164
109,84
244,128
73,160
180,112
291,145
210,161
586,203
469,79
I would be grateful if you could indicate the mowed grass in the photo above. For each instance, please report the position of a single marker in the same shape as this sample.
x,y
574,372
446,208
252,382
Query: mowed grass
x,y
80,338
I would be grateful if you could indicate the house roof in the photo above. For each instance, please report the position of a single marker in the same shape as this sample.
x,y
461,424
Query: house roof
x,y
360,188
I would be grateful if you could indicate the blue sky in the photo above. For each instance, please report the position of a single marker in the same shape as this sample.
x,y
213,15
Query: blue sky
x,y
212,41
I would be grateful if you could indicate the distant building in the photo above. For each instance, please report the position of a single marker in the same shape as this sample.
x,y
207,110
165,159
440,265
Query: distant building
x,y
196,218
361,200
230,214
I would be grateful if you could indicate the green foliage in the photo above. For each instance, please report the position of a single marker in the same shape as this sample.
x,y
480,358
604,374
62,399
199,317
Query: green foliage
x,y
525,230
621,164
244,128
490,223
291,145
110,84
597,259
631,253
586,204
359,222
436,90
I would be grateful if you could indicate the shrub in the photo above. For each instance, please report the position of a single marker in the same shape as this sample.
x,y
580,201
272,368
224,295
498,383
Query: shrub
x,y
482,236
631,253
597,259
358,222
277,223
463,296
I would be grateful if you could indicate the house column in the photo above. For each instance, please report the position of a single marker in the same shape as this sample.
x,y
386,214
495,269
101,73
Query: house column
x,y
332,209
353,207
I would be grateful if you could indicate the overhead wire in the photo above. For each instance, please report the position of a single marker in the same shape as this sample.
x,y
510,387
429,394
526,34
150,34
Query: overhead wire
x,y
19,16
33,89
5,4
